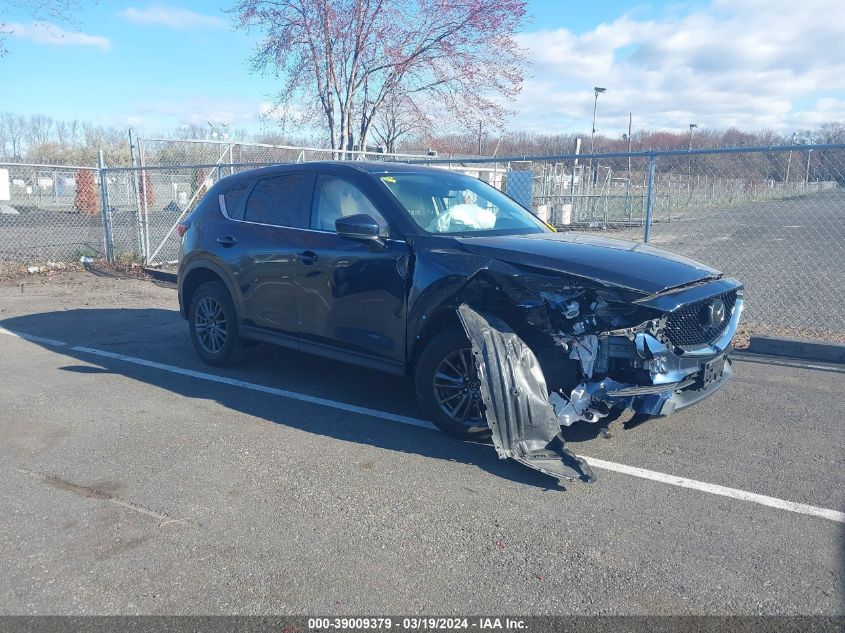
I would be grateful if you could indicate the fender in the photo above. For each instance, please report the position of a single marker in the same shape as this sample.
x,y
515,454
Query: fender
x,y
206,261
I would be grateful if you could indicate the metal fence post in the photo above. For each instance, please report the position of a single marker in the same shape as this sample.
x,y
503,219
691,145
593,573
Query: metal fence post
x,y
142,248
652,163
145,207
108,243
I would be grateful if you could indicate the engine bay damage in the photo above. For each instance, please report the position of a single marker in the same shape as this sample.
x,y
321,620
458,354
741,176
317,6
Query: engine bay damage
x,y
552,351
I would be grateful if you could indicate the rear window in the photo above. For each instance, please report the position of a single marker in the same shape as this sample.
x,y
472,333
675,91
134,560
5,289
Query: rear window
x,y
276,201
232,202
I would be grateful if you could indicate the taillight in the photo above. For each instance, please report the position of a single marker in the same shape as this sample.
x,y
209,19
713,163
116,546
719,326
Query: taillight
x,y
182,228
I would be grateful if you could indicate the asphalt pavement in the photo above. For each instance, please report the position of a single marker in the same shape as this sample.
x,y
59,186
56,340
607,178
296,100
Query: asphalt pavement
x,y
138,480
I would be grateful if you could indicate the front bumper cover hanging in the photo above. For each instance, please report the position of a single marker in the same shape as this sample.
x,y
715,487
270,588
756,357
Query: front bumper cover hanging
x,y
523,424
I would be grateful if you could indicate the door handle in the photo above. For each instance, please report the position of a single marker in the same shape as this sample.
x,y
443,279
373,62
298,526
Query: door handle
x,y
226,241
307,257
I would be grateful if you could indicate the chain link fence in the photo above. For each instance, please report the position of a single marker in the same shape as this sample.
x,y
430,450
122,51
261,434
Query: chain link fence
x,y
772,217
49,213
147,203
171,176
151,152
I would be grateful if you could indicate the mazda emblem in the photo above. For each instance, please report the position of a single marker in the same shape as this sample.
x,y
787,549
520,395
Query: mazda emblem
x,y
715,314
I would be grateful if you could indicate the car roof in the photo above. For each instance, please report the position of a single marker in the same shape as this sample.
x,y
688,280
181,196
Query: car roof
x,y
357,166
378,166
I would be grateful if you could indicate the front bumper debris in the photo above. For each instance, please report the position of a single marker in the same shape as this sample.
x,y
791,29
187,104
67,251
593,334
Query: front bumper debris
x,y
677,378
592,401
521,420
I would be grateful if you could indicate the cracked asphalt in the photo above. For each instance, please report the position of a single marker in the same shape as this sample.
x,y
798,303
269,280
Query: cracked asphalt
x,y
127,489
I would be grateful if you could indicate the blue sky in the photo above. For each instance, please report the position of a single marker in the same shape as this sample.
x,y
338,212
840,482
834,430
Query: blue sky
x,y
750,63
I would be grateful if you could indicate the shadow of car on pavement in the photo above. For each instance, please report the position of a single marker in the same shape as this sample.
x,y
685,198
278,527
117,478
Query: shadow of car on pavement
x,y
161,336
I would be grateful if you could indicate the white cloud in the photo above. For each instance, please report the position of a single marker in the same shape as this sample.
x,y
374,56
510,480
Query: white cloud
x,y
47,33
198,110
752,64
173,18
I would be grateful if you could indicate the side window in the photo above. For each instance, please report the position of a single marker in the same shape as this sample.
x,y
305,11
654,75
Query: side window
x,y
335,198
276,201
232,202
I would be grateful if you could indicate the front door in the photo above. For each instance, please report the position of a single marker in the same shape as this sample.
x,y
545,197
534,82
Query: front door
x,y
351,293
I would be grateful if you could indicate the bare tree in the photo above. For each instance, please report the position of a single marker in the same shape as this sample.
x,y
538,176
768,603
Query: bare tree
x,y
14,126
92,136
73,132
62,133
195,132
342,59
398,118
40,10
39,129
833,132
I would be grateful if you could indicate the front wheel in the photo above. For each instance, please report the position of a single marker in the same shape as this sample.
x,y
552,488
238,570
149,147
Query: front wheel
x,y
213,324
448,388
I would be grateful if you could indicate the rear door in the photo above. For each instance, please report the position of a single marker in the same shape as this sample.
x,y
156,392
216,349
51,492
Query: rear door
x,y
276,206
351,294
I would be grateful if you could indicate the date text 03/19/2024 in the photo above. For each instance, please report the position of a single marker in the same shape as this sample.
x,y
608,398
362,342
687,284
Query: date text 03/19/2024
x,y
416,623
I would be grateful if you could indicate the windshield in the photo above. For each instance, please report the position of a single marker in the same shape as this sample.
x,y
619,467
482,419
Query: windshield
x,y
455,204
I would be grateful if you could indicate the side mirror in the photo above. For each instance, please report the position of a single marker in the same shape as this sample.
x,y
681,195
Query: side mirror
x,y
357,227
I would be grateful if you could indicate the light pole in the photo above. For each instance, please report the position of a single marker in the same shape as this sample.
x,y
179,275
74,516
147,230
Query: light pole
x,y
597,91
692,126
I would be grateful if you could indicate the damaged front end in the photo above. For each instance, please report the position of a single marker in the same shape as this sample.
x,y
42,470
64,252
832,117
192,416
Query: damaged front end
x,y
552,352
657,367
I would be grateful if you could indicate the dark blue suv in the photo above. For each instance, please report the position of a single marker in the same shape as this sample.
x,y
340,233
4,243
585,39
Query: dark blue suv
x,y
419,270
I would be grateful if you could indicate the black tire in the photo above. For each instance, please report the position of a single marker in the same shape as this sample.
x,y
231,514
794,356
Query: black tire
x,y
218,343
443,346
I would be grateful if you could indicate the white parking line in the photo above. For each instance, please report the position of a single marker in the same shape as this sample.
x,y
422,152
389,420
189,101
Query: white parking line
x,y
715,489
673,480
284,393
34,339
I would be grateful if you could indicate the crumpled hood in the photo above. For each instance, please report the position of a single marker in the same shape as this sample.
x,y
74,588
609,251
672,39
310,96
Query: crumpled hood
x,y
620,263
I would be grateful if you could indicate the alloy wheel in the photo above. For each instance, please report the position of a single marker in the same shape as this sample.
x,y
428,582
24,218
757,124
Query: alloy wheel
x,y
210,325
457,388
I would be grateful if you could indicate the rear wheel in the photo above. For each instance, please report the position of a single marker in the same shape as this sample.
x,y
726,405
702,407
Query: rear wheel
x,y
213,324
448,387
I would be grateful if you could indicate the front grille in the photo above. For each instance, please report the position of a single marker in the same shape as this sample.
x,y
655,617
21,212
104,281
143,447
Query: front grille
x,y
687,326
